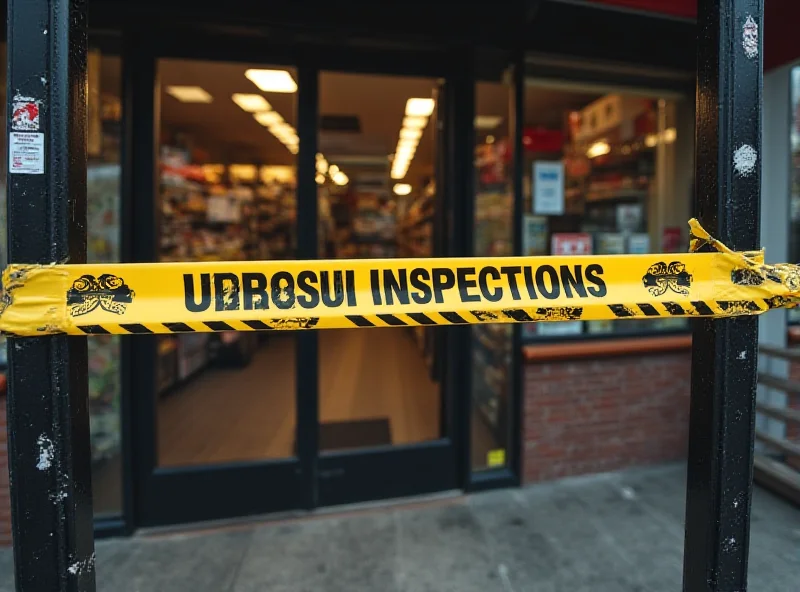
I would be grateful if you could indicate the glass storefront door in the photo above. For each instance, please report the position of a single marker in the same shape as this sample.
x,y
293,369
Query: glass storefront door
x,y
382,413
219,409
265,161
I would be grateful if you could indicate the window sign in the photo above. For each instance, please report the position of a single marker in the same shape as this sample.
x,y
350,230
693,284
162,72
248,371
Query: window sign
x,y
548,188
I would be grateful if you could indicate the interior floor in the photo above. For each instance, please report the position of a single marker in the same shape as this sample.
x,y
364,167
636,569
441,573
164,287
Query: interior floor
x,y
228,415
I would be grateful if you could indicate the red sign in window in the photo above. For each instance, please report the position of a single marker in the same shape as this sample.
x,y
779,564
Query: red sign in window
x,y
683,8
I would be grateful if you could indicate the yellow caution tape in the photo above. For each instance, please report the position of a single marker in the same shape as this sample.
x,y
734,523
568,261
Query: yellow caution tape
x,y
251,296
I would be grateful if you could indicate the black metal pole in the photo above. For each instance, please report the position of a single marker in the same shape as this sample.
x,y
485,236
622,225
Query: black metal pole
x,y
48,420
724,352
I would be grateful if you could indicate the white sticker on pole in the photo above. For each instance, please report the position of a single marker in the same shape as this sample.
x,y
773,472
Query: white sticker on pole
x,y
26,153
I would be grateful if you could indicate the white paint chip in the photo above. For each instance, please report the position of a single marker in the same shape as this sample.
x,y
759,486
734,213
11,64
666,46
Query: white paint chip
x,y
45,453
750,38
81,566
628,493
59,497
742,355
745,159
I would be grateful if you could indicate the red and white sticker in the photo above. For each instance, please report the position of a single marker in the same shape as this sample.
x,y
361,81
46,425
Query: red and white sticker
x,y
26,153
571,243
25,114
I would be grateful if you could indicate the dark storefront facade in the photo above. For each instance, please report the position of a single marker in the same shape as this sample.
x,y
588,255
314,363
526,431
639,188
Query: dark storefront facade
x,y
528,129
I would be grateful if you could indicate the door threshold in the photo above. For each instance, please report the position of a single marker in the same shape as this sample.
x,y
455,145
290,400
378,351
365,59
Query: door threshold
x,y
342,510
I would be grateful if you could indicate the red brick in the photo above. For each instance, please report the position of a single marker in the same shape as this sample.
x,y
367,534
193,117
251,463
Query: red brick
x,y
587,416
5,506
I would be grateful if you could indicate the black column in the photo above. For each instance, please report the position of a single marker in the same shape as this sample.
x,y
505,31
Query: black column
x,y
724,352
48,419
307,364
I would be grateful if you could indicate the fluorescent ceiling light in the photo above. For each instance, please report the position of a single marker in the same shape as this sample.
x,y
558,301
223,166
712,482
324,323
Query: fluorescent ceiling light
x,y
340,178
251,103
284,132
415,122
332,170
487,121
189,94
403,146
402,189
281,128
399,174
410,134
419,107
277,81
598,149
322,166
407,144
293,148
404,155
268,118
319,178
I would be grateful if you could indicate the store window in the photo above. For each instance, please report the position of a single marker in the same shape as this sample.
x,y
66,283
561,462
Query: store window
x,y
794,202
377,196
3,175
493,237
227,181
103,245
605,173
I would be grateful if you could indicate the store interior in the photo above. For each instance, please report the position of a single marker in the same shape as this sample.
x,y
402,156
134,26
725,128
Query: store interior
x,y
228,192
620,162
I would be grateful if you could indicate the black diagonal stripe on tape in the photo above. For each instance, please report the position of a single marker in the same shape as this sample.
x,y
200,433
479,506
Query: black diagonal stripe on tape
x,y
257,325
518,315
702,308
359,321
674,308
776,302
178,327
454,317
93,329
648,309
219,326
135,328
738,306
392,320
420,318
621,311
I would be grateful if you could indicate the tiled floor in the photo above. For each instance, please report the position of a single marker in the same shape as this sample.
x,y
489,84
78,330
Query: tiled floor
x,y
607,533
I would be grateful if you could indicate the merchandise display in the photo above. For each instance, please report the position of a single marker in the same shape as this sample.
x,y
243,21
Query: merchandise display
x,y
204,218
794,180
615,154
415,239
103,245
493,237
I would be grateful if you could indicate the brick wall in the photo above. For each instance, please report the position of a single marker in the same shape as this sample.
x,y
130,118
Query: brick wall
x,y
793,401
594,415
5,500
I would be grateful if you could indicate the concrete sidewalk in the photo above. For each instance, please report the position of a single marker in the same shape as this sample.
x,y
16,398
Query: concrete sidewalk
x,y
606,533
